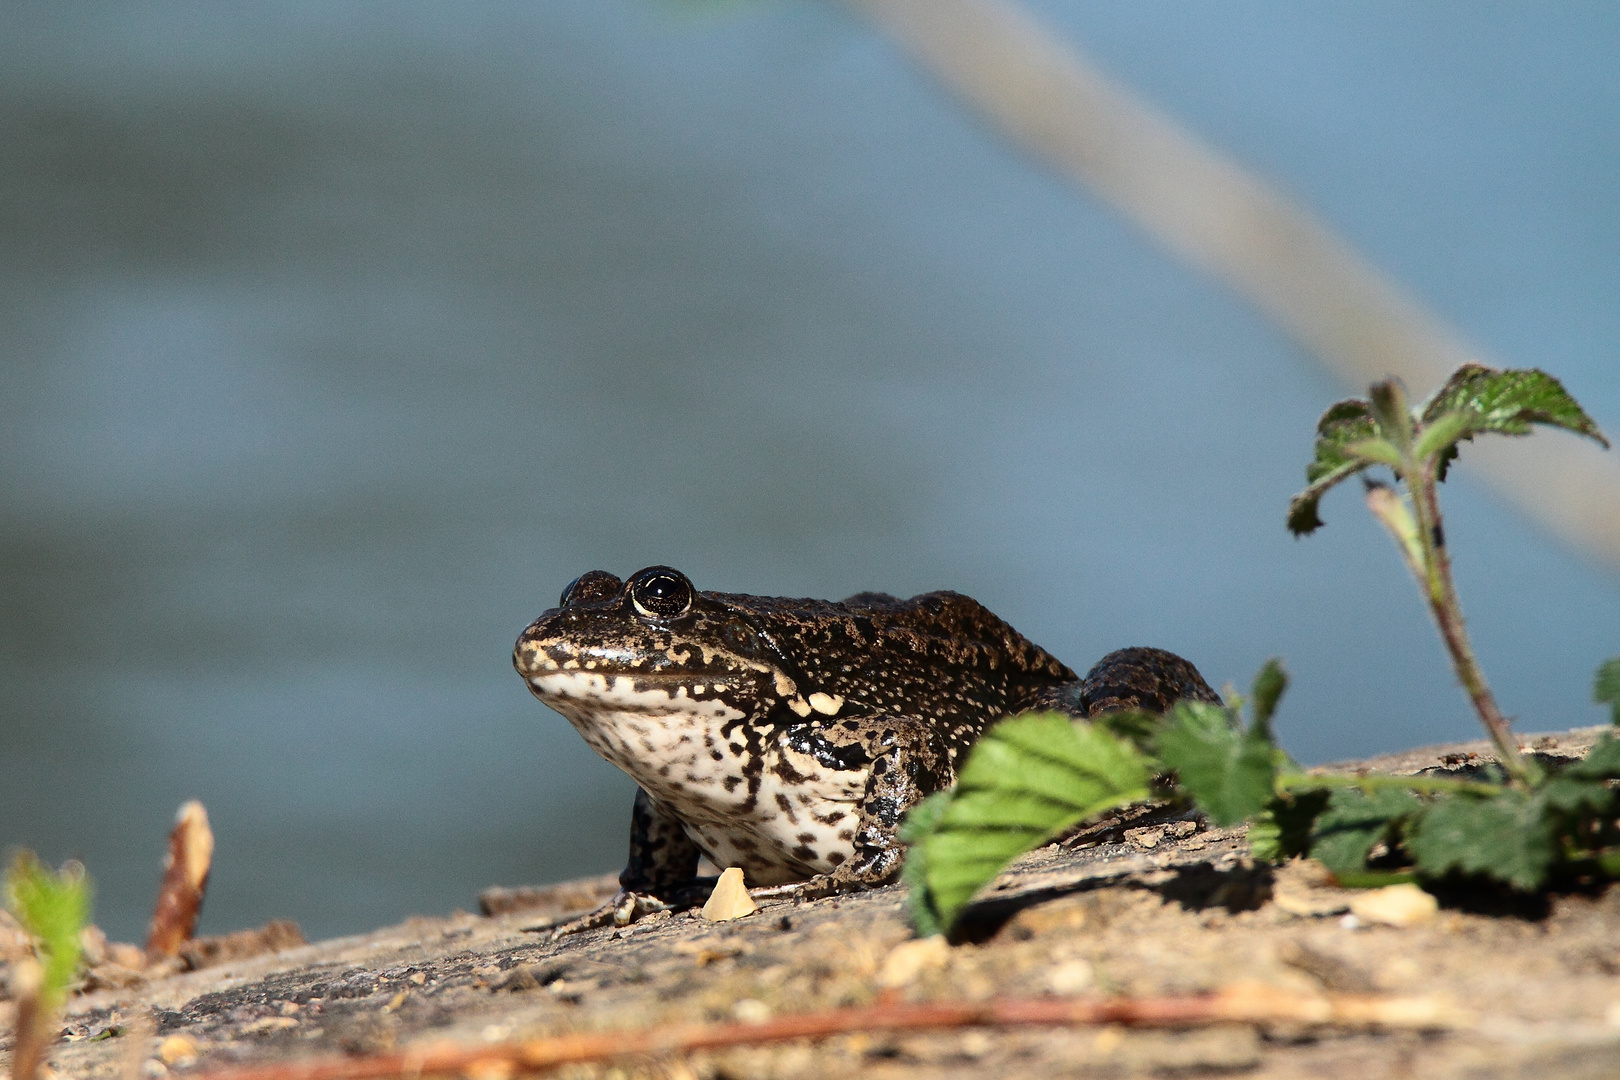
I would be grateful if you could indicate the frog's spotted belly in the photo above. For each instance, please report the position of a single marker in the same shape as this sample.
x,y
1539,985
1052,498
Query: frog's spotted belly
x,y
779,814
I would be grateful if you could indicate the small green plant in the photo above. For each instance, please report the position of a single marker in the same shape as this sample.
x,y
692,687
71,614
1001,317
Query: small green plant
x,y
53,906
1520,824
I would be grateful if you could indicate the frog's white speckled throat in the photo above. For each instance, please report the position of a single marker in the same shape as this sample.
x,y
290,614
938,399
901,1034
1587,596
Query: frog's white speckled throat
x,y
739,812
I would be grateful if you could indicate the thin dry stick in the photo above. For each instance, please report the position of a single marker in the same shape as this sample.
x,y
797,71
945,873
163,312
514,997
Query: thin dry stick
x,y
1240,1003
33,1035
185,880
1043,95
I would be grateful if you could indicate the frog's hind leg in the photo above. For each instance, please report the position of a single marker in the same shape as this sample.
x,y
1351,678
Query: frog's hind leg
x,y
908,765
1141,678
661,872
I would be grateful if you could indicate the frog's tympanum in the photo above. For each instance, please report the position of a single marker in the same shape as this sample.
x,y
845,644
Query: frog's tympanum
x,y
789,737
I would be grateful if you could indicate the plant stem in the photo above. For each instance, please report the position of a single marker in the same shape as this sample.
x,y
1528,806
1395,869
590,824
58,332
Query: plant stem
x,y
1427,784
1439,589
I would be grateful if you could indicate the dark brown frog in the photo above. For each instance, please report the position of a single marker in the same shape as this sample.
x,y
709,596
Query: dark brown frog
x,y
789,737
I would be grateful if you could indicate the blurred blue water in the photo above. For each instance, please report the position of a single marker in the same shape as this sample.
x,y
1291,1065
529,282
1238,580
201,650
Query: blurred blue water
x,y
338,337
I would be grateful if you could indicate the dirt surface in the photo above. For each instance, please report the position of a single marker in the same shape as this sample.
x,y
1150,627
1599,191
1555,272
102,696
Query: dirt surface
x,y
1147,905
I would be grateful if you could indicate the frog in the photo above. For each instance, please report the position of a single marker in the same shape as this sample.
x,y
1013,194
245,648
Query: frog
x,y
789,737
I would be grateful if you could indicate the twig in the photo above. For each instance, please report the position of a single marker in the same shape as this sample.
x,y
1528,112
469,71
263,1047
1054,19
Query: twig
x,y
1239,1003
185,880
32,1035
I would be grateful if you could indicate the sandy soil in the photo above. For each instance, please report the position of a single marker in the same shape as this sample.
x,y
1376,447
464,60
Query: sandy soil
x,y
1147,905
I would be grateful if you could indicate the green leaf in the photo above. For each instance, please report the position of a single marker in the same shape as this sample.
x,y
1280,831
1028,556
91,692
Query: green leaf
x,y
53,907
1574,797
921,821
1602,762
1283,829
1230,773
1344,424
1509,401
1606,687
1511,838
1506,402
1027,780
1268,689
1354,821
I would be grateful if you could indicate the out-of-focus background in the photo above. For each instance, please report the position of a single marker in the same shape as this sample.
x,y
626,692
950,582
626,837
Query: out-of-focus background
x,y
338,337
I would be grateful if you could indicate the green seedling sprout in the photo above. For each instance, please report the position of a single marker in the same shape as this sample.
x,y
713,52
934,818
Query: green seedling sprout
x,y
53,906
1418,446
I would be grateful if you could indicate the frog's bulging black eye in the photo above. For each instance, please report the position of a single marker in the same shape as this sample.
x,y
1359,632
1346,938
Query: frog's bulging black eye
x,y
661,593
591,587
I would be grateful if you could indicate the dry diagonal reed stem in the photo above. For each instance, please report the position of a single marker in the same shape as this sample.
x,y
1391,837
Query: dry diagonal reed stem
x,y
1240,1003
1041,93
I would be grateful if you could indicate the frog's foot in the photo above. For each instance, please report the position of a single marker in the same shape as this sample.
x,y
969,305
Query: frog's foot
x,y
624,909
863,874
630,905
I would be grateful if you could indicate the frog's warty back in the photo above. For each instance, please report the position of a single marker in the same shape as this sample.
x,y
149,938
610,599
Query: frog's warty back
x,y
1141,678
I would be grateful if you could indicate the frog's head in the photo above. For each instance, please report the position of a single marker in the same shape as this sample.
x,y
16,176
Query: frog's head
x,y
650,644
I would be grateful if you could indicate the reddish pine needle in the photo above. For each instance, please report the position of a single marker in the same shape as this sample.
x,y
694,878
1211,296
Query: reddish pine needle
x,y
1240,1003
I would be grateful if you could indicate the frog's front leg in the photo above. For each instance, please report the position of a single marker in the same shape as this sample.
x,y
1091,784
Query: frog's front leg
x,y
661,872
909,763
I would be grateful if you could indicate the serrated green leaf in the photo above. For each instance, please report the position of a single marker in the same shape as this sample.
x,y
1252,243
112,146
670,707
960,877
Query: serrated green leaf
x,y
1283,829
1602,762
1511,400
1344,423
1606,687
1507,402
1231,774
1027,779
1353,821
1511,838
1268,689
53,906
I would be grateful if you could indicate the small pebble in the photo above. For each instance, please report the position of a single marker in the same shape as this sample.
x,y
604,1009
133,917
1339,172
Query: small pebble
x,y
177,1050
1395,905
751,1011
1069,977
730,899
910,959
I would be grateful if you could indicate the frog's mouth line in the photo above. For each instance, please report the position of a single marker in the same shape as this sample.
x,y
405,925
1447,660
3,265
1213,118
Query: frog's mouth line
x,y
630,693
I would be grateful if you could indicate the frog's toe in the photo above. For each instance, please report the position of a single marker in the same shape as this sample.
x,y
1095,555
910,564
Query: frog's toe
x,y
622,910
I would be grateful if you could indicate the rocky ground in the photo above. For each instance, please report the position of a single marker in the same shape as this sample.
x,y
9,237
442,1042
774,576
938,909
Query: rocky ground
x,y
1149,905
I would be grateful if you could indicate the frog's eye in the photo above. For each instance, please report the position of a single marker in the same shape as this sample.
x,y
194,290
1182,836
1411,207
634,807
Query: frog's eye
x,y
591,587
661,593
